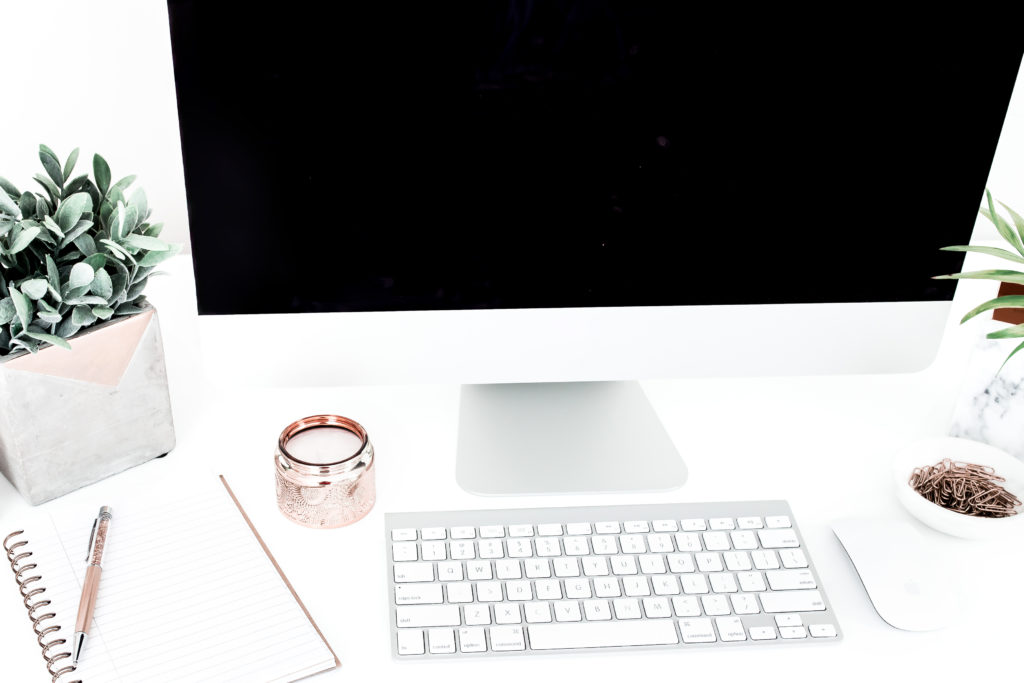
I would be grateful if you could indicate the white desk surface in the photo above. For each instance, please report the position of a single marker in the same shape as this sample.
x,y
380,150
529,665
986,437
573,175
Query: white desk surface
x,y
822,443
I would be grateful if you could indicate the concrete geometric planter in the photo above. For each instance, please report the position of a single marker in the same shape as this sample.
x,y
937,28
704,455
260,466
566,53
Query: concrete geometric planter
x,y
71,418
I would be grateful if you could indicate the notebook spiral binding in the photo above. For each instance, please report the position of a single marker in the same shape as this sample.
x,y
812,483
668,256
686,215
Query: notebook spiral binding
x,y
29,594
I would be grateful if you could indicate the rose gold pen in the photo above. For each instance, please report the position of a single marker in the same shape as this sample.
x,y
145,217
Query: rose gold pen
x,y
97,541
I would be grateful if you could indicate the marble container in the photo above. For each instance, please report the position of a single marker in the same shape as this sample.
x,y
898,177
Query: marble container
x,y
990,406
71,418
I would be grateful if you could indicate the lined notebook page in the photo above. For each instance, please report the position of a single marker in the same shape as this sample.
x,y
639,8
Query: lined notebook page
x,y
187,594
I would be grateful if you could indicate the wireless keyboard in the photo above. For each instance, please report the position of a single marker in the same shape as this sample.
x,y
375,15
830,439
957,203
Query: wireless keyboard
x,y
512,582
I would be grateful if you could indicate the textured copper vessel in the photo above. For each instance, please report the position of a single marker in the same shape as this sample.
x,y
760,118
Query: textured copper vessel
x,y
329,495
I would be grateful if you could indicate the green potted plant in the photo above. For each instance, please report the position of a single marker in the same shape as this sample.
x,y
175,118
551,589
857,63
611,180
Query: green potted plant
x,y
83,387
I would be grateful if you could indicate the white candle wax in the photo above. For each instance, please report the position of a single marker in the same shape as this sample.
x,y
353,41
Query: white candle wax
x,y
323,445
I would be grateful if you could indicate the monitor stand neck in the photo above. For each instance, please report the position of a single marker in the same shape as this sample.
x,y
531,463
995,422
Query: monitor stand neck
x,y
566,437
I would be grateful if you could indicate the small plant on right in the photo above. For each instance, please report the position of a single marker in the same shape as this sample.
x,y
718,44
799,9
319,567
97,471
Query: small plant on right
x,y
1014,236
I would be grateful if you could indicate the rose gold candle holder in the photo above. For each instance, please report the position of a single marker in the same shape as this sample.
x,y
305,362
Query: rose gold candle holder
x,y
330,495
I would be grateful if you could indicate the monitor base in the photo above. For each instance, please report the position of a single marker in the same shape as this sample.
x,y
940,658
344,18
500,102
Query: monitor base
x,y
564,437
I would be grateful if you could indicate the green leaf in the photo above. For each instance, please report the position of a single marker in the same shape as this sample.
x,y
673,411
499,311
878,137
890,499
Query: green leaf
x,y
86,245
73,234
97,261
27,204
103,312
1001,225
90,299
78,183
1012,354
8,187
101,284
128,309
71,210
122,184
69,165
35,288
52,226
49,338
116,249
82,275
23,307
144,242
23,239
82,316
152,258
116,224
7,310
139,201
136,290
131,219
991,251
52,274
48,185
51,164
101,171
1013,301
1000,275
1007,333
49,317
1018,221
8,206
154,230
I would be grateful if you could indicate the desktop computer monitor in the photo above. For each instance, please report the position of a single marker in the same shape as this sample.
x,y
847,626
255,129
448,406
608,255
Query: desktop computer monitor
x,y
545,201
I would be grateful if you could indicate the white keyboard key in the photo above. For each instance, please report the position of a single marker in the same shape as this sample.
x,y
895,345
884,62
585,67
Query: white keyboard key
x,y
463,532
744,603
680,563
508,569
491,549
597,610
403,534
751,582
793,632
686,606
744,540
605,545
793,558
792,601
627,608
477,615
790,579
665,585
410,642
442,641
508,613
765,559
520,530
518,590
657,608
716,540
434,550
537,569
688,542
697,630
723,582
730,629
403,552
737,561
507,638
750,523
721,523
548,547
694,583
492,531
449,571
537,612
602,634
414,572
434,533
652,564
548,589
418,594
576,546
665,525
578,588
567,610
566,566
778,522
762,633
693,525
660,543
472,640
549,529
636,527
636,586
459,591
715,605
608,528
822,630
595,566
778,538
519,547
478,570
788,620
607,588
420,616
709,562
462,550
578,529
623,565
489,591
632,544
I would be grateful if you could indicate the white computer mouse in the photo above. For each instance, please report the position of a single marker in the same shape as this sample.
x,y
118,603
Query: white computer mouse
x,y
908,586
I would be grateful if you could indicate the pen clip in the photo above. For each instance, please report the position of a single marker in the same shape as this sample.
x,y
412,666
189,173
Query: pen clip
x,y
92,537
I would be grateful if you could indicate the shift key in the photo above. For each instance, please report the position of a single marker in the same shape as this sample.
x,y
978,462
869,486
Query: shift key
x,y
792,601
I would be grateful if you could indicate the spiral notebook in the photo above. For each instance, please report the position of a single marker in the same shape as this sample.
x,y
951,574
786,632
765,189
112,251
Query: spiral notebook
x,y
189,592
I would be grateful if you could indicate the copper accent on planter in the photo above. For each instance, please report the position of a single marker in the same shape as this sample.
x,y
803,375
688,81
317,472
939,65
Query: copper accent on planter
x,y
330,495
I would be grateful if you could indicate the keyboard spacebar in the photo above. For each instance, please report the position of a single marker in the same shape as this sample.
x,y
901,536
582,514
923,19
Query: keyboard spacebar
x,y
602,634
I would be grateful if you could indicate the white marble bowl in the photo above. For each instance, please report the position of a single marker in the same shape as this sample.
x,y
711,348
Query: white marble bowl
x,y
930,452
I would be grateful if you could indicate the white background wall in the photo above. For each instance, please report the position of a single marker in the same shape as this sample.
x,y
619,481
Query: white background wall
x,y
97,74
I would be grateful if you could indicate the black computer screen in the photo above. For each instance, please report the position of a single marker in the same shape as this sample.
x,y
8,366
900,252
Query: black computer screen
x,y
527,154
